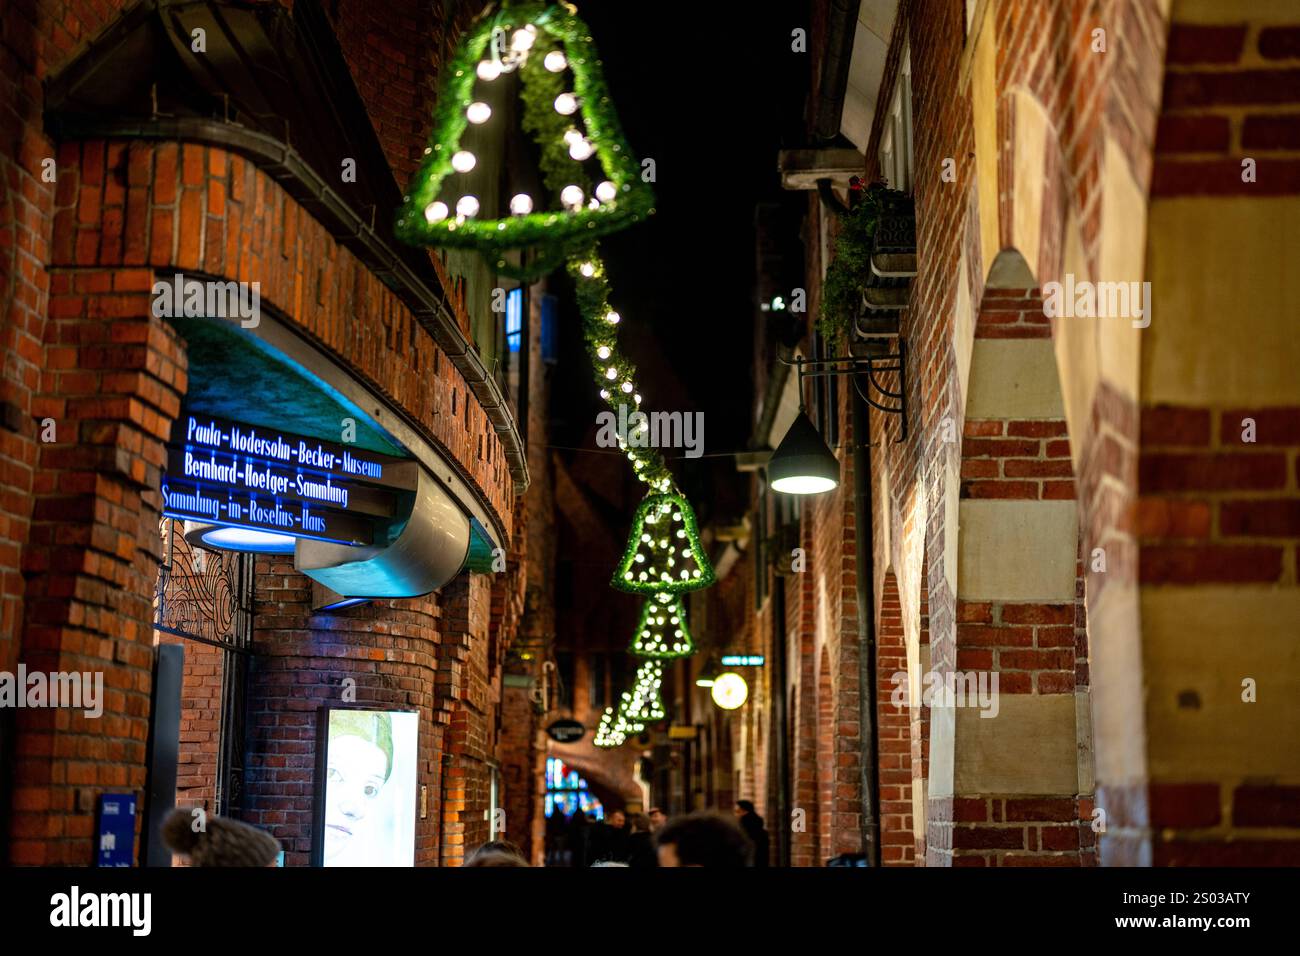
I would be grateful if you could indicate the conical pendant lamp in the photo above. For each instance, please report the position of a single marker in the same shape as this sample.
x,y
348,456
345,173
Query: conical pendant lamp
x,y
803,464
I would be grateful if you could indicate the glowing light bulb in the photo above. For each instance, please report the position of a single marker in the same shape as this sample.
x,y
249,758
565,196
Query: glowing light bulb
x,y
611,374
436,212
604,393
521,205
612,318
572,196
523,39
626,386
580,150
488,70
566,104
555,61
606,191
478,113
467,206
603,351
587,268
571,136
463,161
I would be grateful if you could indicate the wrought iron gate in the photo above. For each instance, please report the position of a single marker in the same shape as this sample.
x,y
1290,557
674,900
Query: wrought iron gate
x,y
207,596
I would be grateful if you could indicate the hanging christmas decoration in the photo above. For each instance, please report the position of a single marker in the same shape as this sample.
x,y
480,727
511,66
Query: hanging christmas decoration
x,y
662,632
643,704
567,109
615,728
663,554
595,188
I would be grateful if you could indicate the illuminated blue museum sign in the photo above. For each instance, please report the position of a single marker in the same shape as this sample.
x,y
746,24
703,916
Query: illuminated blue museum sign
x,y
742,660
245,476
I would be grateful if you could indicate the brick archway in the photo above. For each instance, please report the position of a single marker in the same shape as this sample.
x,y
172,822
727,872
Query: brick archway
x,y
1013,746
894,719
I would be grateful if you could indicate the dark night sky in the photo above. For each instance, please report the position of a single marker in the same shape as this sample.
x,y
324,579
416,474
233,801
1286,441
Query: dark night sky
x,y
710,91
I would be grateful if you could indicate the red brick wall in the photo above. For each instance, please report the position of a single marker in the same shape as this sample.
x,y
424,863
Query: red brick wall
x,y
112,380
300,663
920,733
79,546
464,698
804,763
170,207
894,733
1216,508
522,768
1020,831
1230,92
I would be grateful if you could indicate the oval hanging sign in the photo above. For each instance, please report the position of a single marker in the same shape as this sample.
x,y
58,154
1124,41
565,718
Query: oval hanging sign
x,y
566,731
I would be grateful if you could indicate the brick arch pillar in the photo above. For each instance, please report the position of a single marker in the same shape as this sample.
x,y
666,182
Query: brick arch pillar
x,y
112,379
1217,779
463,706
919,727
1017,778
894,730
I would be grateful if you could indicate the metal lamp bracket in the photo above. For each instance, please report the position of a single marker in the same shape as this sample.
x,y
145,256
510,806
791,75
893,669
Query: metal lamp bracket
x,y
866,368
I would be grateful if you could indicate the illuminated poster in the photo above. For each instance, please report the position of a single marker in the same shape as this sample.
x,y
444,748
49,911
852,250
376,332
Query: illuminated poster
x,y
366,790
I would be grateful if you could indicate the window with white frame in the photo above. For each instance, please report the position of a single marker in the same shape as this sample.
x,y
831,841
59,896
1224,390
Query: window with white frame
x,y
896,138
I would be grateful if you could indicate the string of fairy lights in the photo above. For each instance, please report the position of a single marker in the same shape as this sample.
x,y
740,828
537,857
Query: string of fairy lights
x,y
588,167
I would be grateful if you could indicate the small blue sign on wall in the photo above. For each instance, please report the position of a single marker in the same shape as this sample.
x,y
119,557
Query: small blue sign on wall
x,y
116,830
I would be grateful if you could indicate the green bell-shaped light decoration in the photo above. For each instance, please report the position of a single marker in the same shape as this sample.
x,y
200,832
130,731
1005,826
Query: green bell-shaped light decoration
x,y
615,728
542,54
662,633
644,704
663,554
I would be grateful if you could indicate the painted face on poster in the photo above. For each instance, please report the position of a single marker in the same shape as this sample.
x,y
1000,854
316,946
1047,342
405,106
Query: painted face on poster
x,y
370,781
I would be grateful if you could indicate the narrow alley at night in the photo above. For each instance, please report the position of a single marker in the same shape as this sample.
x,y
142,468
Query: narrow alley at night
x,y
797,437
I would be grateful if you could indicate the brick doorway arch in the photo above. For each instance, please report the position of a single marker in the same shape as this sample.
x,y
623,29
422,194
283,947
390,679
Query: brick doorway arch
x,y
1014,708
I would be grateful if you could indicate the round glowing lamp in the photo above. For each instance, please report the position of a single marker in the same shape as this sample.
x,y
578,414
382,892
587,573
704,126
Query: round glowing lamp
x,y
729,691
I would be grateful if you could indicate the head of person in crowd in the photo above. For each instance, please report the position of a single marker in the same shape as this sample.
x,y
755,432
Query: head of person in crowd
x,y
657,818
203,840
638,823
617,819
496,853
744,807
703,838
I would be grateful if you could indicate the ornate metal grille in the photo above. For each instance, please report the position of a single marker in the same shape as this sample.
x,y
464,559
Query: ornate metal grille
x,y
207,596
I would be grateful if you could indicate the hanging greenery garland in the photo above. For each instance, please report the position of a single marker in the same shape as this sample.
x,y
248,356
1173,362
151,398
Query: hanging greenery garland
x,y
662,632
545,43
